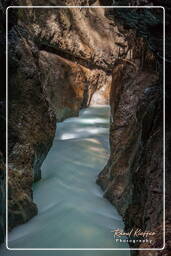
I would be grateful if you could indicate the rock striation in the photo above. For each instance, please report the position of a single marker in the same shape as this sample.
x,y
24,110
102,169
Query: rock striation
x,y
54,71
133,177
61,60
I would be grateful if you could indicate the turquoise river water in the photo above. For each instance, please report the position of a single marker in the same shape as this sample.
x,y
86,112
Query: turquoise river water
x,y
72,210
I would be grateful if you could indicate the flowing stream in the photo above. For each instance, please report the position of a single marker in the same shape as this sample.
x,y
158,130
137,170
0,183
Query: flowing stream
x,y
72,210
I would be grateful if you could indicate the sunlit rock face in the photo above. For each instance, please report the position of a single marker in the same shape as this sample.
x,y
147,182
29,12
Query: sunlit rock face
x,y
63,78
84,35
62,60
57,65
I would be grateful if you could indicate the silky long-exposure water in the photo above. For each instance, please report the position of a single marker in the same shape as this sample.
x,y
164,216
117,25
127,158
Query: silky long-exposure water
x,y
72,210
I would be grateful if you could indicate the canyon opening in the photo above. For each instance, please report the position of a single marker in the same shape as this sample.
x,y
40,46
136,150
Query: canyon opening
x,y
85,127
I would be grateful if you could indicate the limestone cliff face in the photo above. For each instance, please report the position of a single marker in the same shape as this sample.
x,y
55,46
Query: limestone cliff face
x,y
61,76
133,177
55,69
83,35
63,59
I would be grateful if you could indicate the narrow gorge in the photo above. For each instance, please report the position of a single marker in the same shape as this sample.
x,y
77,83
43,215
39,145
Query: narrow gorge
x,y
85,127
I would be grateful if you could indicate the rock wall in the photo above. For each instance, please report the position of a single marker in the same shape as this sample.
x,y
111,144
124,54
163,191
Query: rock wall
x,y
2,199
3,125
54,70
53,55
133,177
76,53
